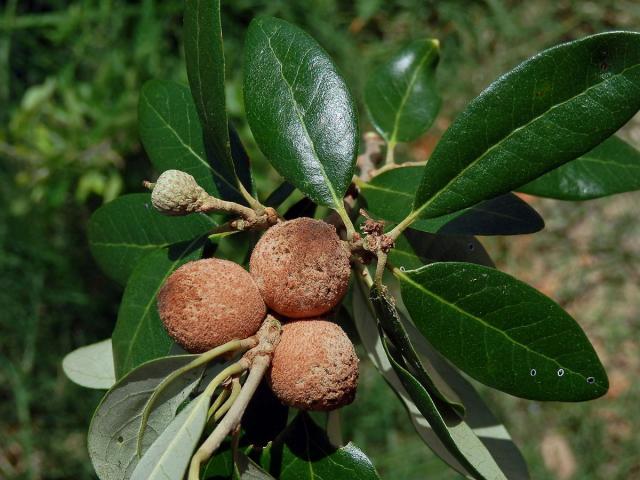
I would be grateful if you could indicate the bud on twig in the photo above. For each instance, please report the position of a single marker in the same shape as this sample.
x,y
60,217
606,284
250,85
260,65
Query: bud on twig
x,y
177,193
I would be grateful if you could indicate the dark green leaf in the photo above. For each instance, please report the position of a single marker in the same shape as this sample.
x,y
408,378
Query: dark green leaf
x,y
204,55
451,440
169,456
126,229
455,434
171,132
114,427
611,167
491,432
388,318
414,249
139,335
547,111
300,110
502,332
305,453
401,95
390,196
91,366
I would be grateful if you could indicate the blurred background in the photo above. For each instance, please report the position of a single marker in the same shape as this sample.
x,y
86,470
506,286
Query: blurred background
x,y
70,73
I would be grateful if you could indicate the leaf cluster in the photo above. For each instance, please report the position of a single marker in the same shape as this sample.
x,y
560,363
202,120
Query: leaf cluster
x,y
436,305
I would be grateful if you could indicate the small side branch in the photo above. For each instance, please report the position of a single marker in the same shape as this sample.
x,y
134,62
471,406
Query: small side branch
x,y
232,419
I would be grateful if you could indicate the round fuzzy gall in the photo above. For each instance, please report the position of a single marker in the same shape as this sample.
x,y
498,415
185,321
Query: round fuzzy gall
x,y
301,268
177,193
314,366
206,303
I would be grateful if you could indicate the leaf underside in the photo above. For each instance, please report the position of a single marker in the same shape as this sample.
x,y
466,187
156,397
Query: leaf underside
x,y
612,167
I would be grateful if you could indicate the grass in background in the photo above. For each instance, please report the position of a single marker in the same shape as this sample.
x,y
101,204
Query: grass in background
x,y
70,72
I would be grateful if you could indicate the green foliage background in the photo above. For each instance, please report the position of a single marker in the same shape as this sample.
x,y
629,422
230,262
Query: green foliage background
x,y
70,74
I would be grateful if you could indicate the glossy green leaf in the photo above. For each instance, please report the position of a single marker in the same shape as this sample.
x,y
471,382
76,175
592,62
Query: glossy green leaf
x,y
502,332
305,453
172,136
169,456
126,229
390,196
91,366
388,318
414,249
114,426
491,432
171,133
401,95
449,438
300,110
455,434
139,335
204,56
547,111
612,167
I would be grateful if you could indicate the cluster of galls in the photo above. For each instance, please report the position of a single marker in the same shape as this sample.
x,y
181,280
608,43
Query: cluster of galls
x,y
300,271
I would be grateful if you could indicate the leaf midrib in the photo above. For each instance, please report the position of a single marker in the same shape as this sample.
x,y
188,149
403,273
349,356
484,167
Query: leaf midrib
x,y
189,148
405,96
445,302
496,145
334,196
176,437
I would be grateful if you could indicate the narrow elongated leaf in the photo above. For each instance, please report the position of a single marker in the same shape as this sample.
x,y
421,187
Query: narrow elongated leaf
x,y
547,111
502,332
169,456
414,249
91,366
126,229
204,55
401,95
139,335
439,439
491,432
388,318
612,167
390,197
305,453
114,426
300,110
454,433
